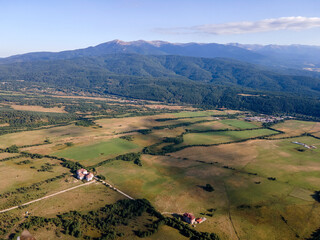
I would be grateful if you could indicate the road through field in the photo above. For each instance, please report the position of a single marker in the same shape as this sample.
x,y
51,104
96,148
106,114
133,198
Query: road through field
x,y
45,197
114,188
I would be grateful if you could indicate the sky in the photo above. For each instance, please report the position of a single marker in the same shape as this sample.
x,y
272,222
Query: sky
x,y
56,25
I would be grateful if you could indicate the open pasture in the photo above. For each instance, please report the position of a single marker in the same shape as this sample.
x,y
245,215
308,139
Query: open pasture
x,y
90,154
207,138
19,174
295,128
240,124
86,198
54,134
207,126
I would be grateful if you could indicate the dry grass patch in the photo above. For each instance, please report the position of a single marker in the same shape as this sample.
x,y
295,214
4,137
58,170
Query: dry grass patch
x,y
83,199
16,176
235,154
38,108
295,127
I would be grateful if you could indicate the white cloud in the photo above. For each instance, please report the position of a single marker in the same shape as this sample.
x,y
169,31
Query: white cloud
x,y
265,25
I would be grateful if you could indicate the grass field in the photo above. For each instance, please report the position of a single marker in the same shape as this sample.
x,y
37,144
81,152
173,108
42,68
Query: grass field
x,y
295,127
204,113
55,134
207,126
223,136
87,154
23,175
239,124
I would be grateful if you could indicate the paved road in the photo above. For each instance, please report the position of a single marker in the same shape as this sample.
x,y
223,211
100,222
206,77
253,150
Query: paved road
x,y
114,188
39,199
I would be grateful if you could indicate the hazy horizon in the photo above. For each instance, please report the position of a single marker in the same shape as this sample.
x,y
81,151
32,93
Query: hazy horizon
x,y
33,26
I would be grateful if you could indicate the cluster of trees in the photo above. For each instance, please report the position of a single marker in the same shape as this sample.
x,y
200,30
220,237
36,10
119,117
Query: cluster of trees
x,y
12,149
84,122
127,137
131,157
47,167
135,157
33,119
23,162
10,158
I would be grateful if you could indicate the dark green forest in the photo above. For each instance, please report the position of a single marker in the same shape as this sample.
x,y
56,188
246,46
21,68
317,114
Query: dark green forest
x,y
209,83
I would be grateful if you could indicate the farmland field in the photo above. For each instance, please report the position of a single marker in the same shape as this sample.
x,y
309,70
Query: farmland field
x,y
261,184
223,136
87,154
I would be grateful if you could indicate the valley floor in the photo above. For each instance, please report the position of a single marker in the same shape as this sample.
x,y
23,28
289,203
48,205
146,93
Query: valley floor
x,y
265,185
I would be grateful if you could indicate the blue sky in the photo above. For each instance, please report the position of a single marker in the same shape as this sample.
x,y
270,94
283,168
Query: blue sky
x,y
43,25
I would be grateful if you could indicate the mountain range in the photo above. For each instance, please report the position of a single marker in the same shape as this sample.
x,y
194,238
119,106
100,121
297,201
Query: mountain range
x,y
211,75
279,56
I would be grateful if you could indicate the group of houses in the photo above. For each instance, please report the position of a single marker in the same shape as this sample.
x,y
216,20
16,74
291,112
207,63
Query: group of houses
x,y
264,119
84,174
191,219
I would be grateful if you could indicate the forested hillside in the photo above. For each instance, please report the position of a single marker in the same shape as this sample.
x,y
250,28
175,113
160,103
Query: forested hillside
x,y
94,71
201,81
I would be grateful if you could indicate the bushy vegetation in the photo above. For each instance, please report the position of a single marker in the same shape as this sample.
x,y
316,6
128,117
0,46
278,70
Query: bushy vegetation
x,y
12,149
108,218
85,123
130,157
208,188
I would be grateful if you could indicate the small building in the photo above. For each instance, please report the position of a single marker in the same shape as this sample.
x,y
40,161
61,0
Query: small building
x,y
89,176
200,220
189,218
80,176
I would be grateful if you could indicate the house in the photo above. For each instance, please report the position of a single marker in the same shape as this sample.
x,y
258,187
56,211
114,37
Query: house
x,y
80,176
189,218
83,171
200,220
89,176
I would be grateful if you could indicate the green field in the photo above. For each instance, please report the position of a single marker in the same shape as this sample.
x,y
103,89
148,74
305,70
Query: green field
x,y
208,138
88,153
193,114
239,123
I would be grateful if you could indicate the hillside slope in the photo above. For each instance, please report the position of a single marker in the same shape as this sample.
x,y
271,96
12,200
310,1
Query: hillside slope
x,y
93,71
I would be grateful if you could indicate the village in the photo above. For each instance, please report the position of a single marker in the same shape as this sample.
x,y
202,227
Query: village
x,y
266,118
